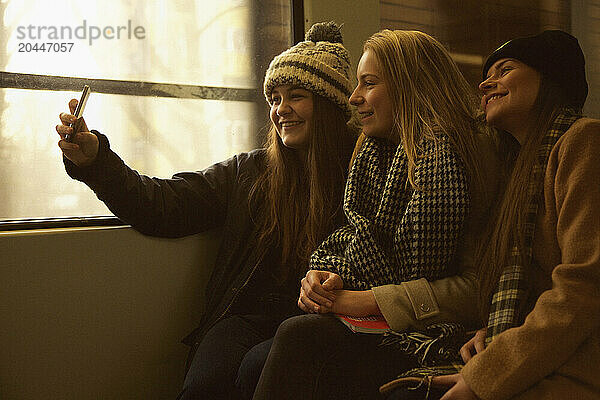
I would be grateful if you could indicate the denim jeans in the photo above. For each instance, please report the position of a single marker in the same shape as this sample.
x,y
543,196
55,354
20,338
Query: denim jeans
x,y
229,359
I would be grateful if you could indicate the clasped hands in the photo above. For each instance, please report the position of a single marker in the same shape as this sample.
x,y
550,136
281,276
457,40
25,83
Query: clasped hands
x,y
322,292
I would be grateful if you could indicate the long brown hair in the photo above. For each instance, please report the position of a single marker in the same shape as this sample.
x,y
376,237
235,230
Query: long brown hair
x,y
303,198
507,231
428,94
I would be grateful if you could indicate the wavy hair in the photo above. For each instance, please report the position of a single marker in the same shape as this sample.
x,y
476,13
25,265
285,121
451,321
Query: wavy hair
x,y
303,197
507,230
429,95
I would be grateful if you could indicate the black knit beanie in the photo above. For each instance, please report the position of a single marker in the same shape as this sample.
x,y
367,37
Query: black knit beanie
x,y
556,55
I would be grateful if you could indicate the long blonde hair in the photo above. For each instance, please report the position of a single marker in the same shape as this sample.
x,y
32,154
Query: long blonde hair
x,y
303,198
428,95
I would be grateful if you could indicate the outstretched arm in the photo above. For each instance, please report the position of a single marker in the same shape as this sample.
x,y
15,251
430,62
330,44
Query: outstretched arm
x,y
187,203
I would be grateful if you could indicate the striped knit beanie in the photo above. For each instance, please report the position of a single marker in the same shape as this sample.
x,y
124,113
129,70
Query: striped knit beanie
x,y
320,64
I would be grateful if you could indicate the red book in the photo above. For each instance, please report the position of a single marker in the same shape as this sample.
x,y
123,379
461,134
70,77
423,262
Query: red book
x,y
370,324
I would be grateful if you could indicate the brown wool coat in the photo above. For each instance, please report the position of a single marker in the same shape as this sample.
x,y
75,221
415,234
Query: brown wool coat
x,y
555,354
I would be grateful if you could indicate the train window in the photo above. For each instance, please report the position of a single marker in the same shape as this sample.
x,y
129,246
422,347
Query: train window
x,y
175,86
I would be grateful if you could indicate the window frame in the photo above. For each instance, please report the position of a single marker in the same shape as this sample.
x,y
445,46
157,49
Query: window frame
x,y
15,80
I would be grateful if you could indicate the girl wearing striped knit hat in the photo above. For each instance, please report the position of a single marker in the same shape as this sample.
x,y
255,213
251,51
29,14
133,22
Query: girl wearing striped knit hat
x,y
416,200
273,205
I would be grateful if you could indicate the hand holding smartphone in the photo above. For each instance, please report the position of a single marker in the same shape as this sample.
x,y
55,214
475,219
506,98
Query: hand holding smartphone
x,y
79,113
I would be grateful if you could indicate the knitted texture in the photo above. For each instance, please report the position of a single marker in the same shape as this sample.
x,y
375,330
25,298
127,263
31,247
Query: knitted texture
x,y
436,345
396,233
507,306
551,53
320,64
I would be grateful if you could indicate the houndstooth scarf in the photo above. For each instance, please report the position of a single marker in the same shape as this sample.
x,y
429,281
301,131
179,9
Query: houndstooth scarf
x,y
512,288
397,233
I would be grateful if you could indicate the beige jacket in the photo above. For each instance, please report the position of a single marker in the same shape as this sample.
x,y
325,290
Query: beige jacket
x,y
416,304
555,354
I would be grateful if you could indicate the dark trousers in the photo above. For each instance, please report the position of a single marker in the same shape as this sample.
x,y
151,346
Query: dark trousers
x,y
317,357
229,359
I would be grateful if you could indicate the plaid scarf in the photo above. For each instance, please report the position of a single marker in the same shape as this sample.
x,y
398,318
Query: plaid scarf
x,y
397,233
512,288
507,304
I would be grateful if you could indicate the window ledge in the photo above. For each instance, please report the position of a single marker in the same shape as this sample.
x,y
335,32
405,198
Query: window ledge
x,y
53,223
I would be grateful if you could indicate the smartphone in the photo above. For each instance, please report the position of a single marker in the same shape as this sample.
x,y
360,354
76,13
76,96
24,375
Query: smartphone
x,y
85,93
